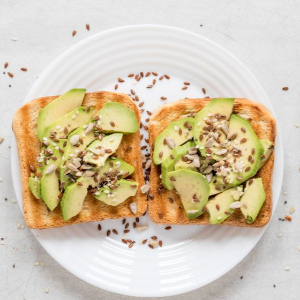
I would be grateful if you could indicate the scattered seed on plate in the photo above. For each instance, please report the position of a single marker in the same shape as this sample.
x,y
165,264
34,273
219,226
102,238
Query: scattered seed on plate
x,y
184,88
186,83
5,65
168,227
108,233
204,91
147,74
137,98
115,231
161,78
116,86
121,80
154,73
87,26
167,76
131,75
74,32
154,237
131,245
99,227
124,221
10,74
141,104
163,98
144,241
24,69
160,243
134,224
285,88
288,218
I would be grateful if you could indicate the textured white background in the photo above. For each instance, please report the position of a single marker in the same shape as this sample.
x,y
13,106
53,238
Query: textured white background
x,y
265,35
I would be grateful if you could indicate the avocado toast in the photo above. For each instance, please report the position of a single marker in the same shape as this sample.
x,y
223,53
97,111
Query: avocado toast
x,y
73,137
207,176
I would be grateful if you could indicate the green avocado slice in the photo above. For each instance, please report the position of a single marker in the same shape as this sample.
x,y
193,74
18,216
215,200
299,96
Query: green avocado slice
x,y
220,208
72,201
215,114
49,181
35,187
116,117
117,193
245,160
253,199
67,123
59,107
176,134
268,150
169,163
193,190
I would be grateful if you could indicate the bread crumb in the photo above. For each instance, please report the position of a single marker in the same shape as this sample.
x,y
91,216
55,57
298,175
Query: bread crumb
x,y
291,210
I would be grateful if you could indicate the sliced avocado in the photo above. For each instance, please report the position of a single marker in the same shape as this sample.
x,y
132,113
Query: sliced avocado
x,y
115,167
220,208
85,136
268,150
35,187
177,133
204,163
72,201
168,164
214,115
184,165
70,121
49,181
245,160
59,107
122,190
116,117
253,199
99,151
193,190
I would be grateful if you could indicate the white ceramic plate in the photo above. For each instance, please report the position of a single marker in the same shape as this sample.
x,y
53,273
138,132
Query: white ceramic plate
x,y
192,256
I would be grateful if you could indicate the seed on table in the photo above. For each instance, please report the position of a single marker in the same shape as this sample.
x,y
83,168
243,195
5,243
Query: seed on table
x,y
87,26
121,80
74,32
116,86
24,69
99,227
131,75
168,227
167,76
108,233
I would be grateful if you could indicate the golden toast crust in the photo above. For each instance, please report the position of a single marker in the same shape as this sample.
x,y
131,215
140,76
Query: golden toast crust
x,y
35,211
166,207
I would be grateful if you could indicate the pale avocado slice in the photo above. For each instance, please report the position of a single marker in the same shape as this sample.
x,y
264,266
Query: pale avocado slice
x,y
253,199
70,121
115,167
220,208
216,113
248,163
35,187
116,117
59,107
99,151
184,165
193,190
85,136
168,164
176,134
49,181
72,201
122,190
268,150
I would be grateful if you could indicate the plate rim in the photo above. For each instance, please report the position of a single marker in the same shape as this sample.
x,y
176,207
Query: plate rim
x,y
279,156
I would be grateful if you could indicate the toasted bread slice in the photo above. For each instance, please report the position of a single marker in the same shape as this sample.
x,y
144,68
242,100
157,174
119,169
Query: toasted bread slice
x,y
166,206
35,211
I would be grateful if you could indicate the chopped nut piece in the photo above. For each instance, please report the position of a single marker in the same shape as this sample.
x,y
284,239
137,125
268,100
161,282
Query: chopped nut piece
x,y
133,207
145,188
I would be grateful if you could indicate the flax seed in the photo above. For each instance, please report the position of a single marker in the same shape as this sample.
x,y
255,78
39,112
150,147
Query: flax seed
x,y
184,88
108,233
23,69
74,32
131,75
136,98
204,91
99,227
168,228
112,124
147,74
161,77
141,104
285,88
186,83
149,86
10,74
218,207
167,76
5,65
244,140
149,113
163,98
134,224
115,231
121,80
154,73
144,241
153,81
116,86
131,245
160,243
150,246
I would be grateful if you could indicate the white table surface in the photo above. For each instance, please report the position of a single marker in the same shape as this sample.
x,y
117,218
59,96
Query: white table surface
x,y
264,35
